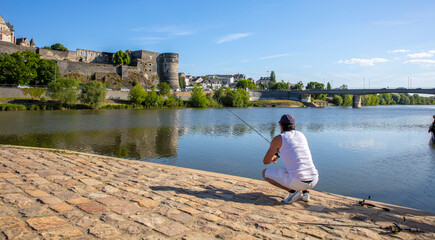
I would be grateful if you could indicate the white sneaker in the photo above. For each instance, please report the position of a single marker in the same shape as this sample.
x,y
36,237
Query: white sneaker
x,y
305,196
292,196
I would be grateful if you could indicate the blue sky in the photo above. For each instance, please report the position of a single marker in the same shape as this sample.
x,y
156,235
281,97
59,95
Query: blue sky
x,y
357,43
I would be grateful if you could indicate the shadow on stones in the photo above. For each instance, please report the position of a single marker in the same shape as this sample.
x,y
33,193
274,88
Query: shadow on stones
x,y
211,192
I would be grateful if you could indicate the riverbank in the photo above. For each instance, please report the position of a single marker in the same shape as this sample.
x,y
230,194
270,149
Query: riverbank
x,y
64,194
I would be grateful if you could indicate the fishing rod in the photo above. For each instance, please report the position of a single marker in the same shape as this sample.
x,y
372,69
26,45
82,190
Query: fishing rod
x,y
364,203
248,125
394,228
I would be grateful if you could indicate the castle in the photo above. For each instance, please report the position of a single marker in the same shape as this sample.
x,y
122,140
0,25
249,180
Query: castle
x,y
146,68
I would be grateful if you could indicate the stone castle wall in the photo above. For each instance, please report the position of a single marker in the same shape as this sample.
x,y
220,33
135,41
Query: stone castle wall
x,y
9,48
148,67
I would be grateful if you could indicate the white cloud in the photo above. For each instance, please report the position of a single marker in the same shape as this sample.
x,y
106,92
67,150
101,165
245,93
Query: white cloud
x,y
432,52
364,62
399,51
420,61
232,37
274,56
420,55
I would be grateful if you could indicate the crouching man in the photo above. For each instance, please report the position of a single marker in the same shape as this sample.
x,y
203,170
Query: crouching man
x,y
299,174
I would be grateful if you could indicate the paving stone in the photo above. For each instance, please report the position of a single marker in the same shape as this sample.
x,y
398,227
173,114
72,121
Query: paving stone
x,y
77,201
14,181
190,210
50,200
19,232
112,218
182,217
86,221
104,231
61,207
18,200
35,211
10,222
112,201
38,181
150,220
228,209
211,217
145,202
90,182
133,228
95,195
69,183
43,223
37,193
172,229
110,189
127,209
8,175
92,207
73,215
65,195
62,233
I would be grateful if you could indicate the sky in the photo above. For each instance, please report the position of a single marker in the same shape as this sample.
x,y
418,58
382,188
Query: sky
x,y
363,44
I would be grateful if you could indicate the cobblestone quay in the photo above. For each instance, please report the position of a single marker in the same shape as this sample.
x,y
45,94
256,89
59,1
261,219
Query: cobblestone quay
x,y
50,194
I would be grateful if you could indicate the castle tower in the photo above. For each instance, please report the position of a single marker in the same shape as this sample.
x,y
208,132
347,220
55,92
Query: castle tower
x,y
6,31
32,43
167,69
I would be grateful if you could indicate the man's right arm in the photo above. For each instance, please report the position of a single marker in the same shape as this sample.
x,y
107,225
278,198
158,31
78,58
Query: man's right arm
x,y
275,145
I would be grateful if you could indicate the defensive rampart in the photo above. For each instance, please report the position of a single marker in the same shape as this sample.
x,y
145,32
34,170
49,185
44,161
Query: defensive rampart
x,y
9,48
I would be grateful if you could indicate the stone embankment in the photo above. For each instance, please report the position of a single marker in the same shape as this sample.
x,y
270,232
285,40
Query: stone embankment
x,y
50,194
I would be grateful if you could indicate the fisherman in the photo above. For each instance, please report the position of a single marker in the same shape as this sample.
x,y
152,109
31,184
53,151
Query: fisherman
x,y
299,173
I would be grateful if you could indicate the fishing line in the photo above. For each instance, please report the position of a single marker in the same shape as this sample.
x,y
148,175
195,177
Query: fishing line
x,y
248,125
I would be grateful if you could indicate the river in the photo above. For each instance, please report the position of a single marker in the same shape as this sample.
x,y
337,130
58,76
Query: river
x,y
381,151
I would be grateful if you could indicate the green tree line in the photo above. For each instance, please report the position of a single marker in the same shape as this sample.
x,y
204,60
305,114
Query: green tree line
x,y
384,99
26,68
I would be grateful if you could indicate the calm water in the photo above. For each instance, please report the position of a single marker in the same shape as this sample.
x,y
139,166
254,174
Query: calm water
x,y
379,151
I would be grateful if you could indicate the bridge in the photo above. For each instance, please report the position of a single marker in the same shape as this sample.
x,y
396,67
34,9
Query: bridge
x,y
305,95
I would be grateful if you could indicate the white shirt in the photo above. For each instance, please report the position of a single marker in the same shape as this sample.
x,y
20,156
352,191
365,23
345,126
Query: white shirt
x,y
297,156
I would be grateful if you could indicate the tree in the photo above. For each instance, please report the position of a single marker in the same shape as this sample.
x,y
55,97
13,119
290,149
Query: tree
x,y
121,58
152,99
328,86
64,90
93,93
164,88
272,77
180,82
35,93
244,83
45,72
347,100
59,47
344,86
297,86
337,100
198,98
137,94
280,86
25,68
315,86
